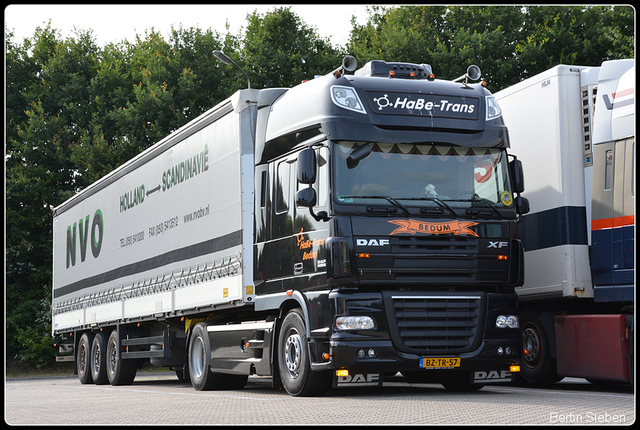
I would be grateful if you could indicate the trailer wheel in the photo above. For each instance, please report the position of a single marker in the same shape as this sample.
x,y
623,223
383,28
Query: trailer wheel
x,y
83,358
293,359
538,367
119,371
98,359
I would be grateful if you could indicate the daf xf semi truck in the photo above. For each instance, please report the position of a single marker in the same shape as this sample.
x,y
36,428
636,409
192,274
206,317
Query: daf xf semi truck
x,y
352,227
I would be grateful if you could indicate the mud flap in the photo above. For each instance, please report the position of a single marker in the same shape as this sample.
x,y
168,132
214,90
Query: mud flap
x,y
491,376
358,380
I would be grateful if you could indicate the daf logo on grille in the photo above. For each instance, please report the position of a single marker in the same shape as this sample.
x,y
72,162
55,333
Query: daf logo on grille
x,y
372,242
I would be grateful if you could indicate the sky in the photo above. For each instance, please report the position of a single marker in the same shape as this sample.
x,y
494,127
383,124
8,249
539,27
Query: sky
x,y
114,23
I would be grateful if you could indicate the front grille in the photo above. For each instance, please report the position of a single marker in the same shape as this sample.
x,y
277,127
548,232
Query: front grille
x,y
444,323
434,261
450,245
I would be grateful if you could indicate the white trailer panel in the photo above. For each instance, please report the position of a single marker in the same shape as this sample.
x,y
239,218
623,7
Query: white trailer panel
x,y
544,115
166,231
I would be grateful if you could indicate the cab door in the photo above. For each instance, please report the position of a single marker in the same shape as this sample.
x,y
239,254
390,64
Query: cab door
x,y
279,246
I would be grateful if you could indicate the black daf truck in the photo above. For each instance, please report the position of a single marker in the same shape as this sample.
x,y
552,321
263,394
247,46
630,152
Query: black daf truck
x,y
407,257
362,226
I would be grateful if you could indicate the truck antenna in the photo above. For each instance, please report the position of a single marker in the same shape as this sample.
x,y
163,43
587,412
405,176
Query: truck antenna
x,y
226,60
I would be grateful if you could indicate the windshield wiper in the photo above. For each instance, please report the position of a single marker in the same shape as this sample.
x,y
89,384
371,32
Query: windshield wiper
x,y
475,210
388,198
433,199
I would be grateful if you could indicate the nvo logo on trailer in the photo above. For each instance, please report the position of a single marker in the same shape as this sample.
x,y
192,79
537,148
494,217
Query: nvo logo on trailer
x,y
82,228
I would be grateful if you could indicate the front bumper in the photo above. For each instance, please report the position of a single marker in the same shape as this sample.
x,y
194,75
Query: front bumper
x,y
396,345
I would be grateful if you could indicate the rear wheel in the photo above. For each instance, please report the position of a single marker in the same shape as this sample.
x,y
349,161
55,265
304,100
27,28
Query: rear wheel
x,y
202,378
83,358
293,360
119,371
99,359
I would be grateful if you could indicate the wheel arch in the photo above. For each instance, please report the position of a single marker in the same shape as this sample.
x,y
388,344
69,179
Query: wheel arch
x,y
284,303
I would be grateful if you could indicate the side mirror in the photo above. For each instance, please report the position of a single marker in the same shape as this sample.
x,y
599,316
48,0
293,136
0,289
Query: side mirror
x,y
522,205
306,198
517,175
307,166
360,153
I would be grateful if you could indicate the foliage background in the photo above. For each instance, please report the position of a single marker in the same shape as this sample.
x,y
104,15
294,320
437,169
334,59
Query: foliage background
x,y
74,111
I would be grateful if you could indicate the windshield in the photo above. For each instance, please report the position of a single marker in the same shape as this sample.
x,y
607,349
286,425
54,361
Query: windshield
x,y
408,175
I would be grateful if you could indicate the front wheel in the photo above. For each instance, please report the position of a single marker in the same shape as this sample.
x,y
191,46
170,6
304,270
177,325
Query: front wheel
x,y
293,360
538,367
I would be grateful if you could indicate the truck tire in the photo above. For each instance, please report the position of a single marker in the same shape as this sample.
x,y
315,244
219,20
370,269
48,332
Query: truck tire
x,y
119,371
83,358
293,360
199,355
98,361
538,367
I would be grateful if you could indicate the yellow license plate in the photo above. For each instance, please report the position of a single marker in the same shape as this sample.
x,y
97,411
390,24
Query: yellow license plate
x,y
439,362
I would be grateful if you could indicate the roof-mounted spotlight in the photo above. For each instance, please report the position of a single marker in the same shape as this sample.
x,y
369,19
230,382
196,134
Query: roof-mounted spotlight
x,y
473,73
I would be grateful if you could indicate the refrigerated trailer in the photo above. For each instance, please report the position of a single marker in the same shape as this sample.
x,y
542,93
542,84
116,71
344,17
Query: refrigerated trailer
x,y
573,129
352,227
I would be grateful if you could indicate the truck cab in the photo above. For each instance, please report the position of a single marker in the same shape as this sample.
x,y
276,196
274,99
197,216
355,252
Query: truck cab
x,y
386,204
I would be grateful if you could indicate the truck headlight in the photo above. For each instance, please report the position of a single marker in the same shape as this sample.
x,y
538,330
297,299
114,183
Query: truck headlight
x,y
347,98
355,323
507,321
493,108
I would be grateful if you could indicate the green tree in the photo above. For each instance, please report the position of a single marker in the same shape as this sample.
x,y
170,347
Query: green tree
x,y
279,50
47,112
509,43
574,35
398,34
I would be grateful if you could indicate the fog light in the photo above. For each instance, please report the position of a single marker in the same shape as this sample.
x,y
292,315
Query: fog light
x,y
361,353
372,352
500,350
508,350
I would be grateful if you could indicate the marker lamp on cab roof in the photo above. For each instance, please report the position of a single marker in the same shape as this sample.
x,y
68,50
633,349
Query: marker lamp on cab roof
x,y
347,98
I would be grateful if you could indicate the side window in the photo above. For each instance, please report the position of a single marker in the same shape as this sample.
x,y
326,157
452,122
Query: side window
x,y
322,180
263,190
282,187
